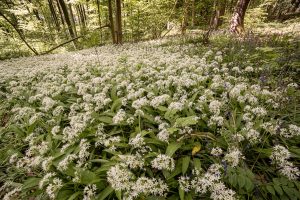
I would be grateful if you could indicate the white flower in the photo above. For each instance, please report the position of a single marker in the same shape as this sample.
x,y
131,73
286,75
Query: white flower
x,y
279,154
119,117
216,151
163,162
119,177
89,192
137,141
233,157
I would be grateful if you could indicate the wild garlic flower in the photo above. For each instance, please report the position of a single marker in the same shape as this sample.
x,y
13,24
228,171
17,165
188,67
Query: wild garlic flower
x,y
46,179
216,151
215,106
163,162
53,187
119,177
220,192
64,164
12,194
184,183
279,154
233,157
163,135
133,161
137,141
149,186
119,117
89,192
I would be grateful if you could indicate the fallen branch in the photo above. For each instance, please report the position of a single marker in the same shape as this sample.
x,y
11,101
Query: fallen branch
x,y
56,47
71,40
20,34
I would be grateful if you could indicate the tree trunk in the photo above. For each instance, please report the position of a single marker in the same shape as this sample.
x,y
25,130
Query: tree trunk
x,y
119,39
237,20
193,13
219,12
184,22
53,14
99,19
73,19
111,22
68,21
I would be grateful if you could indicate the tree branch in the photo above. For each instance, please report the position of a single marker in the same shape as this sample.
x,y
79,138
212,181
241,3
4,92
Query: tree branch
x,y
20,34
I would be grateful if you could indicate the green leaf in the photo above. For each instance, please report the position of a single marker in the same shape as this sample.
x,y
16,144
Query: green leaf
x,y
186,121
116,105
270,189
289,191
197,163
185,163
181,193
105,119
63,194
249,185
241,181
172,148
88,177
113,93
278,189
107,191
118,194
31,182
73,196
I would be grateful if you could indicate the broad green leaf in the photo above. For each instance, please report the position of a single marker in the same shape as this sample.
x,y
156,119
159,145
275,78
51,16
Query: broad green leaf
x,y
197,163
186,121
74,196
248,185
270,189
278,189
181,193
118,194
88,177
107,191
105,119
116,105
241,181
31,182
172,148
185,163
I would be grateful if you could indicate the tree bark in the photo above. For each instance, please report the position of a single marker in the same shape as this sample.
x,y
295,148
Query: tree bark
x,y
184,22
53,14
67,18
111,22
237,20
73,19
119,34
193,13
219,12
99,19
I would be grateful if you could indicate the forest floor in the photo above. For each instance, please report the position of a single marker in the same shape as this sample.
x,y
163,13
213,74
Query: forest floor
x,y
82,121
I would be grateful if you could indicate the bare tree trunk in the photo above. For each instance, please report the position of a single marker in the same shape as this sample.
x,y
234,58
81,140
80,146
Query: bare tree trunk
x,y
19,33
193,13
237,20
217,20
73,19
53,14
119,33
184,22
68,21
99,19
111,22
